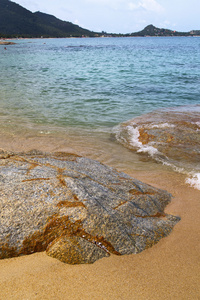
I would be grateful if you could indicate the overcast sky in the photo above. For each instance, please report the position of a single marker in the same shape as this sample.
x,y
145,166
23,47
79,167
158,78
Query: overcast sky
x,y
121,16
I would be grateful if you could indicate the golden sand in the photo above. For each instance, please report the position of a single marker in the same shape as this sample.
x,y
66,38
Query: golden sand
x,y
168,270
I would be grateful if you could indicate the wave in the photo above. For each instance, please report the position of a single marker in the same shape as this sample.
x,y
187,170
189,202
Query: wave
x,y
171,136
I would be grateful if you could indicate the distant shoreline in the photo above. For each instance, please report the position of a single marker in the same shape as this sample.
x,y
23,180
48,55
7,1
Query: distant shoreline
x,y
6,41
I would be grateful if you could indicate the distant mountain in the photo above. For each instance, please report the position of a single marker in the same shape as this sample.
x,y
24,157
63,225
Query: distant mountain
x,y
18,21
151,30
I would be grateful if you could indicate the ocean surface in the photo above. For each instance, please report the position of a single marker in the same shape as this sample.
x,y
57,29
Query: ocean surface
x,y
86,90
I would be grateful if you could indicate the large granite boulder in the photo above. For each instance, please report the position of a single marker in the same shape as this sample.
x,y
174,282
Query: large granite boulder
x,y
76,209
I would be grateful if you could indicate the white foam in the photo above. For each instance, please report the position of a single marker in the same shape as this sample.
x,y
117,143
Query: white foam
x,y
197,123
174,167
194,180
134,134
162,125
45,132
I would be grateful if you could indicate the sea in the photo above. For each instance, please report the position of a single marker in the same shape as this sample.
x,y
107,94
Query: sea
x,y
104,98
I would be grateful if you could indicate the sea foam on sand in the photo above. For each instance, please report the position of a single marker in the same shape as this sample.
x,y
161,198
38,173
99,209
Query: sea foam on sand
x,y
194,180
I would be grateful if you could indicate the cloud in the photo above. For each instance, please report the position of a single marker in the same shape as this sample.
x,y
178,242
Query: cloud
x,y
167,24
148,5
133,6
104,2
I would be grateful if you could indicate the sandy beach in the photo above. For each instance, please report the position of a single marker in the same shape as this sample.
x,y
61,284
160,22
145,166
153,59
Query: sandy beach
x,y
168,270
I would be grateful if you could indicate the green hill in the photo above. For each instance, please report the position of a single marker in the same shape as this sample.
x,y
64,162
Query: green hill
x,y
151,30
18,21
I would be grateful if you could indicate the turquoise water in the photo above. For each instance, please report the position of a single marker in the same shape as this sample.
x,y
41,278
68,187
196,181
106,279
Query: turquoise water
x,y
87,86
97,82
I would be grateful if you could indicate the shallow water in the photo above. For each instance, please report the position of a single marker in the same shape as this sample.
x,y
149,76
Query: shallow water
x,y
97,82
70,94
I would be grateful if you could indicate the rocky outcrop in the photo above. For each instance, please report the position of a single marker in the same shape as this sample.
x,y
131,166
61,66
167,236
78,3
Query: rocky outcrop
x,y
7,43
76,209
169,135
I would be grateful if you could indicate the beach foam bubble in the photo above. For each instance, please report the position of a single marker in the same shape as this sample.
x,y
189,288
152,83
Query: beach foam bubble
x,y
194,180
162,125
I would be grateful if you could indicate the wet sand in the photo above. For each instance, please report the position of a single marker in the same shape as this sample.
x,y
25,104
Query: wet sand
x,y
168,270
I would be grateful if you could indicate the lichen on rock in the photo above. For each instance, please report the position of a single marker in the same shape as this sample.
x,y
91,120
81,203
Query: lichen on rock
x,y
76,209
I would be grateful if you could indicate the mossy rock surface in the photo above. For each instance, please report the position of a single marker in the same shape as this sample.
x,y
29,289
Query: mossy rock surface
x,y
76,209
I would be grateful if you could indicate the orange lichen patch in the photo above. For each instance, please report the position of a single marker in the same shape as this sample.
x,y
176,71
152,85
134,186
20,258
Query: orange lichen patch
x,y
169,138
34,243
31,167
60,171
120,204
136,192
35,179
75,198
56,228
60,176
34,164
70,204
61,180
62,226
157,215
7,252
18,158
5,155
40,240
144,137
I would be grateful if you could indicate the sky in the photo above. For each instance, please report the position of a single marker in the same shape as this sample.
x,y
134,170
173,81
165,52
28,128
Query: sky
x,y
121,16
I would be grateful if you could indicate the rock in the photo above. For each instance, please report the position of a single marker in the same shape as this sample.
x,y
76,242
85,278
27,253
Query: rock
x,y
7,43
168,134
76,250
76,209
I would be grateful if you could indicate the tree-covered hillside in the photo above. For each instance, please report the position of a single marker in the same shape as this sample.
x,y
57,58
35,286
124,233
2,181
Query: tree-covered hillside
x,y
18,21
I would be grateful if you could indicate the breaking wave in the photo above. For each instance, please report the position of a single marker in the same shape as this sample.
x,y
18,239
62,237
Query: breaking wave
x,y
171,136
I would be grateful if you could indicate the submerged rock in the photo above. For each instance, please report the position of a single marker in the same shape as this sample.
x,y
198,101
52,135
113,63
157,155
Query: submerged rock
x,y
76,209
169,135
6,43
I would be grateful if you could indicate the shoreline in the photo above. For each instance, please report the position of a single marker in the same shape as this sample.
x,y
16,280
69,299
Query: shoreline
x,y
168,270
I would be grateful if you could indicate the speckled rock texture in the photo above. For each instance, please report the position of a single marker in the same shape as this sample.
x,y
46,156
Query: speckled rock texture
x,y
174,134
76,209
